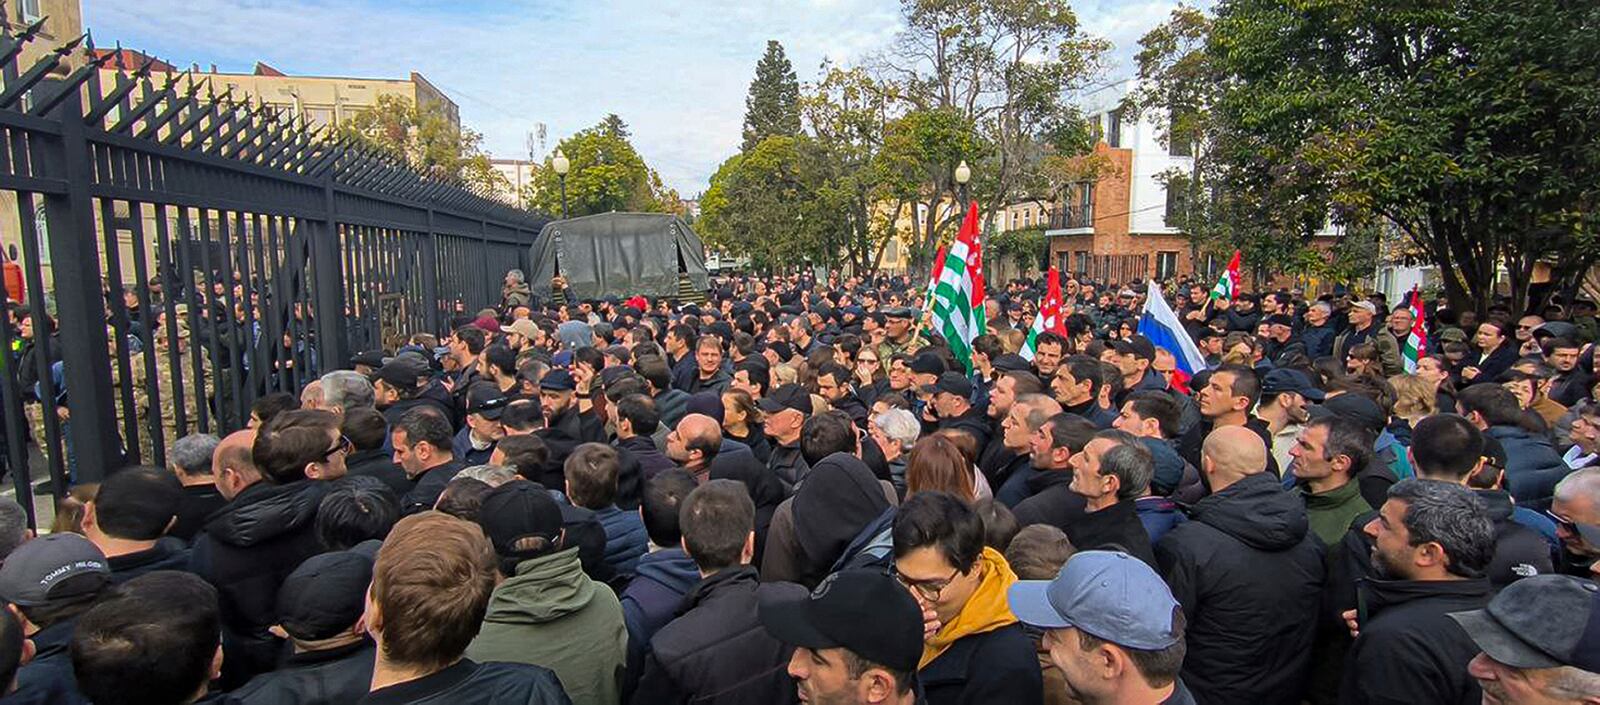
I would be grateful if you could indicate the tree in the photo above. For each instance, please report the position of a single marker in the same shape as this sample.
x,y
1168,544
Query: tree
x,y
763,203
423,138
1468,126
772,107
606,175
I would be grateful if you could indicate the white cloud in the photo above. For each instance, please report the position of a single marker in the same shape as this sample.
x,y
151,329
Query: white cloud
x,y
675,70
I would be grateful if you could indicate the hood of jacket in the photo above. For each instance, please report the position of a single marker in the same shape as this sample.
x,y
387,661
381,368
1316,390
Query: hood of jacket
x,y
264,511
544,589
839,498
1257,511
671,568
1383,594
1168,466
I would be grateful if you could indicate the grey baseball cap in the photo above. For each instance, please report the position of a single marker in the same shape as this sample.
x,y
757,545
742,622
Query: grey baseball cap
x,y
53,567
1541,621
1106,594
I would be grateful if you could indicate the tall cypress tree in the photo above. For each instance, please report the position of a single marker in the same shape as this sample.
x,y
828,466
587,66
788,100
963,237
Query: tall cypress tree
x,y
773,105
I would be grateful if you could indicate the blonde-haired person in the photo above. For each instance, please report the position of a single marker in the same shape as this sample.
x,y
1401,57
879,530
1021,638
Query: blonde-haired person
x,y
1414,400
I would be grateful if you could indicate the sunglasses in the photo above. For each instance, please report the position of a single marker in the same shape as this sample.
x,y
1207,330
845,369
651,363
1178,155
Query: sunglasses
x,y
343,445
1590,533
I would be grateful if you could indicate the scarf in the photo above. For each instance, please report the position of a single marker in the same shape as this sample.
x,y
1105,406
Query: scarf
x,y
986,611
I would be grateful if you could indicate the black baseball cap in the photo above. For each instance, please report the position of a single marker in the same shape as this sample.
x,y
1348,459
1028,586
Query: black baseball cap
x,y
517,511
927,364
1541,621
952,383
863,611
325,595
1136,345
1010,362
370,358
899,312
1283,379
788,396
486,400
403,372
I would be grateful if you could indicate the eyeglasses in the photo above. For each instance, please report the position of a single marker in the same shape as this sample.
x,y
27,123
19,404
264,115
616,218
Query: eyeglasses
x,y
1590,533
343,445
928,589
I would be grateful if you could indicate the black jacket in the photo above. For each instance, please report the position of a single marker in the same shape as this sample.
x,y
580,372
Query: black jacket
x,y
974,423
48,679
469,683
999,666
1115,528
427,487
994,459
787,463
853,407
639,460
563,433
1050,500
1409,650
169,553
1247,571
393,412
198,503
760,446
247,549
716,651
1518,550
379,464
331,677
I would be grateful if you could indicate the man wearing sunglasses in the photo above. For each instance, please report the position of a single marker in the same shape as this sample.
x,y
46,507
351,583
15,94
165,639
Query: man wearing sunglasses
x,y
1576,511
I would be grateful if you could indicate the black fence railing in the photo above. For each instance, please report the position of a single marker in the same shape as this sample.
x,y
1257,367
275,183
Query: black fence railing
x,y
1112,269
192,252
1072,217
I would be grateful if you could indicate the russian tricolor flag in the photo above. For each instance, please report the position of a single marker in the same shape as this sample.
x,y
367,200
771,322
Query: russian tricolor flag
x,y
1165,331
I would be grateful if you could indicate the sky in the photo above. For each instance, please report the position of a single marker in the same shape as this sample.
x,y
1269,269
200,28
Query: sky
x,y
675,70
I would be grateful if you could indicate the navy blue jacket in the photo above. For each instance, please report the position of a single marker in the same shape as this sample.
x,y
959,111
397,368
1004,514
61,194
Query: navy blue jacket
x,y
626,540
999,666
1533,467
652,599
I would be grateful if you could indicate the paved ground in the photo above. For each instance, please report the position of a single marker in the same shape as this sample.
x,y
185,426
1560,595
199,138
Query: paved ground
x,y
44,506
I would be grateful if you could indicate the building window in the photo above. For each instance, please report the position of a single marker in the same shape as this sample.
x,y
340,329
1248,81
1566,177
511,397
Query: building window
x,y
1166,265
30,10
1114,128
1177,202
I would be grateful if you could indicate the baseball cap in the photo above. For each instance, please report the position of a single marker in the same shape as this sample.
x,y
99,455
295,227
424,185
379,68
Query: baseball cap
x,y
370,358
1541,621
53,567
403,372
487,324
1279,319
951,382
1282,379
860,610
523,327
927,364
788,396
325,595
516,512
1136,345
1107,594
486,400
898,312
558,380
1010,362
1367,306
1355,407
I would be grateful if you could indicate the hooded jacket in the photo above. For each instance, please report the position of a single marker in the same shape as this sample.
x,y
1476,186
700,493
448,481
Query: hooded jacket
x,y
247,549
551,614
1409,650
983,655
716,652
652,599
1158,515
1533,467
840,498
1247,571
626,540
1114,528
330,677
427,487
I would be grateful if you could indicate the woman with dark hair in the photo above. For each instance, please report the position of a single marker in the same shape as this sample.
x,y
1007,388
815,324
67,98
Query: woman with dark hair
x,y
1435,370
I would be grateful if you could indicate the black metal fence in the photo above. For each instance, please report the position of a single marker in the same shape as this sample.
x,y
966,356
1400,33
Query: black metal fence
x,y
199,251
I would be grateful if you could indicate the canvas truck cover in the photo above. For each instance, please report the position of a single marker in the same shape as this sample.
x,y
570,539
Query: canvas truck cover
x,y
618,254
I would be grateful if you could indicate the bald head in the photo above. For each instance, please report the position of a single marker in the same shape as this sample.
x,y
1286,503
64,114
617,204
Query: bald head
x,y
700,429
233,464
1232,453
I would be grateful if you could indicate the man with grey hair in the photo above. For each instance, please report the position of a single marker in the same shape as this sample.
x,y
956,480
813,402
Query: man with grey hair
x,y
1113,470
491,475
1432,542
343,390
1576,509
895,431
1317,334
14,529
190,459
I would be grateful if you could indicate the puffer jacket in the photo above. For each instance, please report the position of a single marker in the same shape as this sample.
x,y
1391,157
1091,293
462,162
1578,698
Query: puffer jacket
x,y
246,550
626,540
330,677
551,614
1247,571
1533,467
652,600
1410,651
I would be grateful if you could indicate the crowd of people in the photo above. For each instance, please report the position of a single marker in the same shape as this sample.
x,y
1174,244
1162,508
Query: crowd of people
x,y
794,492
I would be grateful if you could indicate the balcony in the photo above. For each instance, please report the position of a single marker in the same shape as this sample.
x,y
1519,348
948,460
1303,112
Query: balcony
x,y
1073,219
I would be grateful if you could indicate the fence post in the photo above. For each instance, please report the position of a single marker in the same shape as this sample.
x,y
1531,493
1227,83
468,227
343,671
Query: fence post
x,y
430,276
75,258
333,342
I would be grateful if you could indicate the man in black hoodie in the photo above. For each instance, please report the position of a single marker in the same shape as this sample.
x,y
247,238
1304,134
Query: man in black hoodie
x,y
1247,571
249,546
1431,544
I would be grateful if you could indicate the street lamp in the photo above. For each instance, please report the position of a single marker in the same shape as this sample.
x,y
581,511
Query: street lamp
x,y
562,165
963,175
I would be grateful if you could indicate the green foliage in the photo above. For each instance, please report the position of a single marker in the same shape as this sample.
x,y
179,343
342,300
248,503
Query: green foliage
x,y
772,107
764,203
606,175
1024,247
424,138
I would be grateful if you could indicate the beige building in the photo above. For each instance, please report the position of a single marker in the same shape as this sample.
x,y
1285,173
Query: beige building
x,y
519,175
63,22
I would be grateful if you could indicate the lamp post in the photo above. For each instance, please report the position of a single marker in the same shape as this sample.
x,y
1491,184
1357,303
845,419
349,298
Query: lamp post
x,y
562,165
963,175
